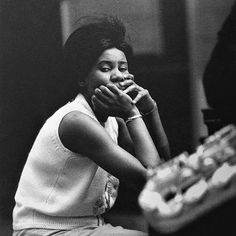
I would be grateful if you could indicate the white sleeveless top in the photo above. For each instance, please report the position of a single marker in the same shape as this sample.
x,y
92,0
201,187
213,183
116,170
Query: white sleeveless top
x,y
57,186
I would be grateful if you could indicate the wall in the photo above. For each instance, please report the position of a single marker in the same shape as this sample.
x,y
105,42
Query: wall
x,y
142,19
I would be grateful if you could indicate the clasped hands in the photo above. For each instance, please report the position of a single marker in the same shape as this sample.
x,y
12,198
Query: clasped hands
x,y
122,99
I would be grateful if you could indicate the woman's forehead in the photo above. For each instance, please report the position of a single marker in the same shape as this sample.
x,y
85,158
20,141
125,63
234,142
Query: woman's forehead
x,y
112,54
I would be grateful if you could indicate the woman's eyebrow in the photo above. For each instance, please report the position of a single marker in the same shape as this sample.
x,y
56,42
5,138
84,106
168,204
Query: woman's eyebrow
x,y
108,62
123,62
105,62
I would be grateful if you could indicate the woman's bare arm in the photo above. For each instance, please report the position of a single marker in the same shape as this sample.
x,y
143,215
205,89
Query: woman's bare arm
x,y
114,102
149,110
81,134
156,130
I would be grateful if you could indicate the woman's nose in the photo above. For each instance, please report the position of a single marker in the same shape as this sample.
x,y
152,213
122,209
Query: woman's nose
x,y
117,76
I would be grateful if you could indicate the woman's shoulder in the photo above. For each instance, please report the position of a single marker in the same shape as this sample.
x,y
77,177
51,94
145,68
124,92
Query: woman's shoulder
x,y
76,119
77,128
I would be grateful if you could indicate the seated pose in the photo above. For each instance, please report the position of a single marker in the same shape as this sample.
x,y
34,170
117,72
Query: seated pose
x,y
109,131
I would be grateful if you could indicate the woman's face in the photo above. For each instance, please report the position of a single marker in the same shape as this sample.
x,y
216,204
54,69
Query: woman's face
x,y
111,67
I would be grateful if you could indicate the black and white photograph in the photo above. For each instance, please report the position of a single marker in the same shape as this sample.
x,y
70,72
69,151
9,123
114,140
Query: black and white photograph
x,y
117,117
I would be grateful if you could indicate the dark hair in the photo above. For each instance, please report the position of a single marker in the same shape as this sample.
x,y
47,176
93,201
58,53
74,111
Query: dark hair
x,y
84,46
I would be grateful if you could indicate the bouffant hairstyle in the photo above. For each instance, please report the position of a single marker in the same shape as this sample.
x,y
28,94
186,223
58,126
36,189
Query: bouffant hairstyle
x,y
85,45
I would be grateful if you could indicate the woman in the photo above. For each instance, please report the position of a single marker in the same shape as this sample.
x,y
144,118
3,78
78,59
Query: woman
x,y
71,175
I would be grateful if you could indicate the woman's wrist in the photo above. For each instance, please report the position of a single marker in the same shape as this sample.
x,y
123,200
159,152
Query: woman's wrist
x,y
132,112
150,111
129,119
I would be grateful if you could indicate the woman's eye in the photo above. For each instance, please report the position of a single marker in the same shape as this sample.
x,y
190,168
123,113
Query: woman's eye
x,y
123,69
105,69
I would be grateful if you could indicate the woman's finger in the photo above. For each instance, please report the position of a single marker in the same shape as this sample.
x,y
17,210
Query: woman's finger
x,y
101,96
97,103
114,89
130,89
140,95
126,83
133,88
106,91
